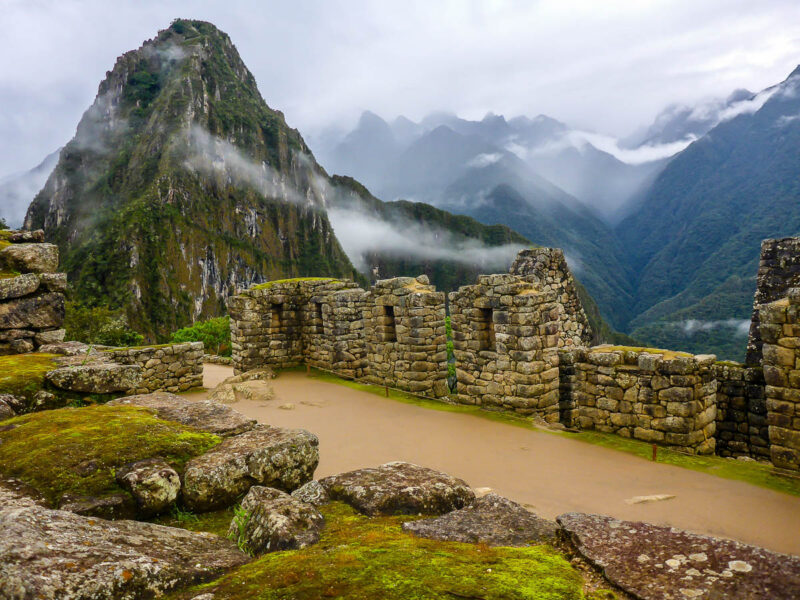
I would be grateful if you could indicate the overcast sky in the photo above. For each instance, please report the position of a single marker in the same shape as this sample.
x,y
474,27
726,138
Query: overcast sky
x,y
605,65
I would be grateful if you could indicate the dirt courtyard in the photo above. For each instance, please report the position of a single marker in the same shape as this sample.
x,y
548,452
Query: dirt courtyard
x,y
549,474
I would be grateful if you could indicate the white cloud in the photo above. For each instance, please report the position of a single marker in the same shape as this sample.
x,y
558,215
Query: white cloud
x,y
484,160
741,327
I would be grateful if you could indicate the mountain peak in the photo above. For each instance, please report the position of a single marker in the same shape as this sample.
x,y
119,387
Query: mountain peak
x,y
794,73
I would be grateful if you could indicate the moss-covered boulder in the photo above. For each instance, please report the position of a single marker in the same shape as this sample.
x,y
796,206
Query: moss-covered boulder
x,y
23,375
71,454
365,558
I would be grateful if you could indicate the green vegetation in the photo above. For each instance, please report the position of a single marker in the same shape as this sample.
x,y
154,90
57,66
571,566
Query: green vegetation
x,y
77,450
216,522
214,333
99,325
755,473
241,518
365,558
3,224
22,375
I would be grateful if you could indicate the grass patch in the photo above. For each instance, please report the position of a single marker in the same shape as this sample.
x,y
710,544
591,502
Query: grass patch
x,y
23,374
665,353
216,522
269,284
8,274
77,450
367,558
755,473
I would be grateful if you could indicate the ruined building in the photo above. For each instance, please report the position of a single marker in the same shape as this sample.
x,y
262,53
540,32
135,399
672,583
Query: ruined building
x,y
522,343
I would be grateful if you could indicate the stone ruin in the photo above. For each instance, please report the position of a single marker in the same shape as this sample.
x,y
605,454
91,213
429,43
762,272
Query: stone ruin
x,y
31,292
522,343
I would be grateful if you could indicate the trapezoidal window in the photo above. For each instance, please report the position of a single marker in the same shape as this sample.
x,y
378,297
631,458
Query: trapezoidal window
x,y
484,329
319,324
277,316
387,325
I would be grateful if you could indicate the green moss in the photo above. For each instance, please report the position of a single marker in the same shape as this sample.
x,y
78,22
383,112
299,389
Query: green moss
x,y
729,363
23,374
755,473
269,284
359,558
144,347
665,353
50,450
8,274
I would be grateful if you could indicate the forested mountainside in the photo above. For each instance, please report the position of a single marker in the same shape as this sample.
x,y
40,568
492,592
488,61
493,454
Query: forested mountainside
x,y
694,241
182,185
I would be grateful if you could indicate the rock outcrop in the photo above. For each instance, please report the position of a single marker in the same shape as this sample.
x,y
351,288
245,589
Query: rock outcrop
x,y
57,555
275,521
399,488
650,562
312,493
96,377
281,458
491,520
205,415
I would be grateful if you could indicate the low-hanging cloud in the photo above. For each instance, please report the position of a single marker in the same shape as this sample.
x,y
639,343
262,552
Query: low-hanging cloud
x,y
484,160
741,327
361,234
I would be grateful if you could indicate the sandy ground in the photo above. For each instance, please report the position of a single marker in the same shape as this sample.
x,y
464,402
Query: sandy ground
x,y
549,474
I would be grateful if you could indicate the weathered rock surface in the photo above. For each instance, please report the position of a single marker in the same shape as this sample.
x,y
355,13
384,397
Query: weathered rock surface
x,y
269,456
15,287
399,488
113,506
69,348
277,521
16,494
9,406
23,236
661,563
52,336
235,388
97,378
204,415
56,555
30,258
152,483
312,493
33,312
54,282
491,520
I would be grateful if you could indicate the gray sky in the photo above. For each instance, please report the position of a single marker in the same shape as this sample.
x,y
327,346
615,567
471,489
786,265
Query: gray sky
x,y
609,66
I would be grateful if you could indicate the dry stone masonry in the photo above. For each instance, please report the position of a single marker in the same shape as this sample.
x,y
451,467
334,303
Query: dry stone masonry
x,y
522,343
164,368
668,398
505,338
31,292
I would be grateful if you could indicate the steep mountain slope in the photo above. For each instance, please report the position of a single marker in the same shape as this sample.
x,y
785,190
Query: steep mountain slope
x,y
713,204
17,191
181,184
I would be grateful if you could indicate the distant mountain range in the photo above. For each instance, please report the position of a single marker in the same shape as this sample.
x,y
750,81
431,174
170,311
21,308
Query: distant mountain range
x,y
17,190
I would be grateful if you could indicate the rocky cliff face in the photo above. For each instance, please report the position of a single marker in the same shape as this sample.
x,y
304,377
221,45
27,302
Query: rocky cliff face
x,y
181,184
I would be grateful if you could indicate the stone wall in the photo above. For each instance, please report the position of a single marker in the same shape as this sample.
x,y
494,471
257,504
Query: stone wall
x,y
665,397
505,336
780,334
778,272
741,411
165,368
31,292
547,269
406,341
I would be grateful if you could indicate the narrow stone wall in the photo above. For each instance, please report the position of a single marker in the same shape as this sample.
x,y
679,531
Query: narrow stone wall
x,y
778,272
505,337
406,341
31,292
741,411
547,269
780,333
666,398
166,368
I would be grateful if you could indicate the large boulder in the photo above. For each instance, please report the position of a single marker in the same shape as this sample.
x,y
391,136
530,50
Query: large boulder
x,y
273,520
96,378
16,494
57,555
205,415
269,456
399,488
152,483
491,520
110,506
650,562
10,406
23,236
30,258
33,312
16,287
